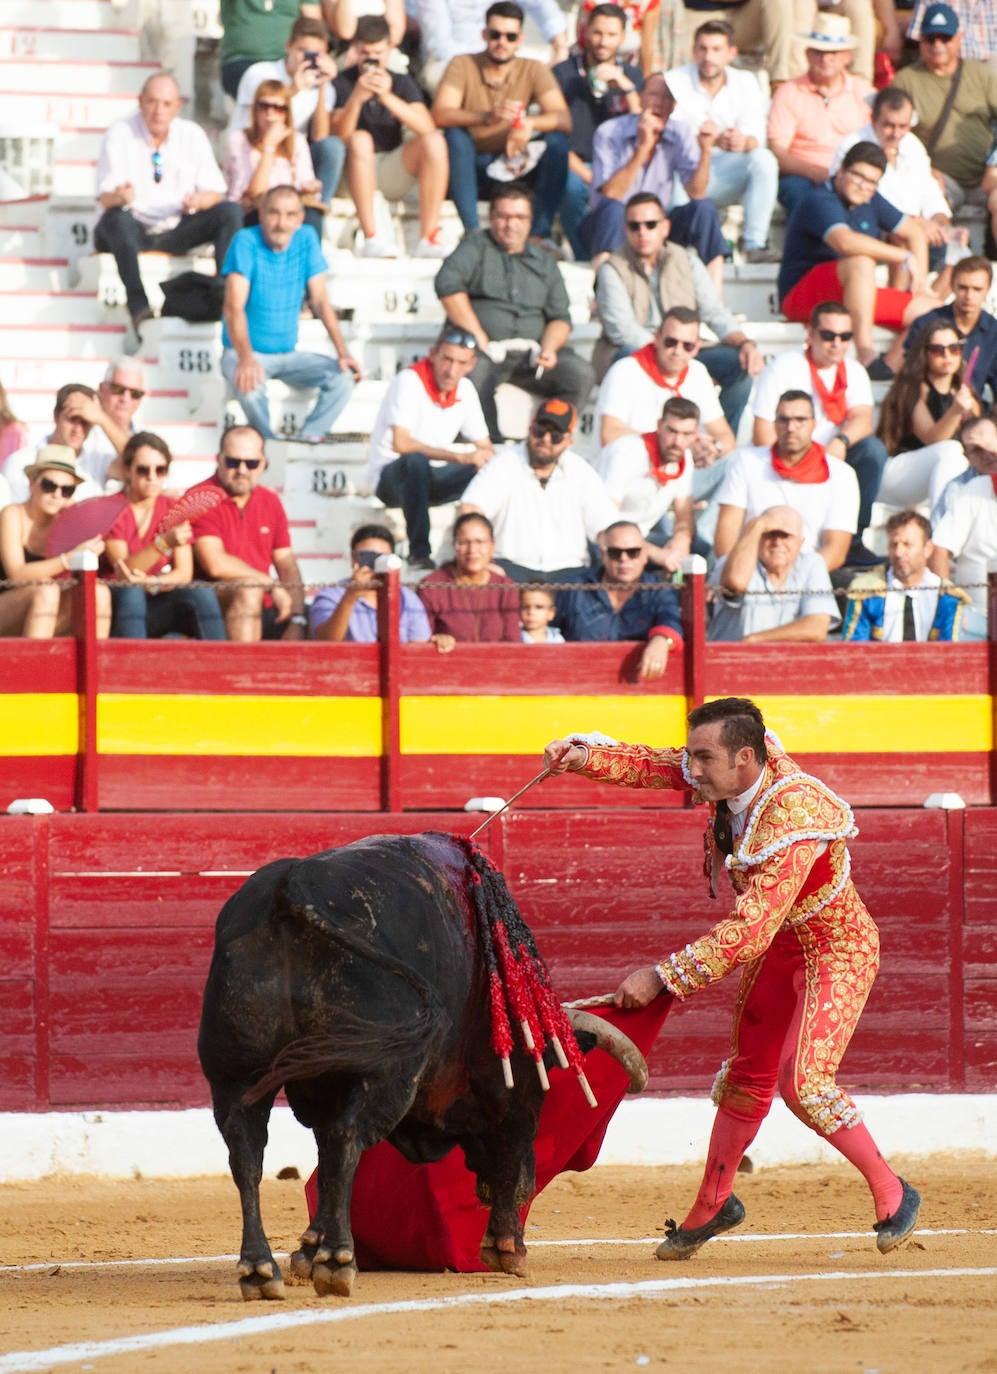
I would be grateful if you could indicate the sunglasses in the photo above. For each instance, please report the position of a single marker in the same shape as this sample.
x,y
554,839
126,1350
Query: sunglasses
x,y
830,335
940,350
160,470
50,488
463,338
549,431
502,35
634,224
937,38
157,166
614,552
116,389
271,105
251,464
669,342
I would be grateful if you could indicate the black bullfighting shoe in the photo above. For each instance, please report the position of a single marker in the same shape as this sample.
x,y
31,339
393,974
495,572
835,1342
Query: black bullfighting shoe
x,y
893,1231
680,1244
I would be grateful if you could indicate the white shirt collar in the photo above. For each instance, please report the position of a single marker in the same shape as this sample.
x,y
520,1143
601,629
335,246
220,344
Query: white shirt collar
x,y
736,805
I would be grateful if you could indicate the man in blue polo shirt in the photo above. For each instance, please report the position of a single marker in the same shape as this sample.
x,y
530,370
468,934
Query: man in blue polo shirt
x,y
268,270
835,238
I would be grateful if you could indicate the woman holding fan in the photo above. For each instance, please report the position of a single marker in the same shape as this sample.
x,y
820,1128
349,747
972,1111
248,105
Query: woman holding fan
x,y
152,557
33,603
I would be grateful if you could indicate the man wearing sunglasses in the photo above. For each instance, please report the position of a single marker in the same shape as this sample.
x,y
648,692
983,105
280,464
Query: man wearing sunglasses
x,y
159,188
244,545
843,405
965,522
450,27
95,431
959,135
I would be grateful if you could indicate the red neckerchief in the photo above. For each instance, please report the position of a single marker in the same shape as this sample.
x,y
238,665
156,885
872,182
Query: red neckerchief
x,y
423,369
812,468
833,401
647,359
993,478
660,471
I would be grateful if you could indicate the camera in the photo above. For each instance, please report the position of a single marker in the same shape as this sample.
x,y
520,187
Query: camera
x,y
365,558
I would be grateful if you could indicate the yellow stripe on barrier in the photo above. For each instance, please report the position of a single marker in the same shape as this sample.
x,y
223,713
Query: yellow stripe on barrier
x,y
881,724
303,727
35,724
524,724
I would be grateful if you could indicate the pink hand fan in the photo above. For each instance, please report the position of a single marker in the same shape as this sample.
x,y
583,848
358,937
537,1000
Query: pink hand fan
x,y
192,504
87,520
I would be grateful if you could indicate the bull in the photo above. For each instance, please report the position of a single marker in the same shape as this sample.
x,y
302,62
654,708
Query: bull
x,y
357,980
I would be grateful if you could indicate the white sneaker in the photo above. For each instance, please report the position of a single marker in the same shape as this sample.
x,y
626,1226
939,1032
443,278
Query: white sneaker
x,y
379,247
432,246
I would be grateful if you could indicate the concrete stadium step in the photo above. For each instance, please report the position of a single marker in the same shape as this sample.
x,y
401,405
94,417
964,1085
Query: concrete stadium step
x,y
37,44
26,241
47,375
289,408
160,407
79,145
33,274
74,177
43,307
83,78
66,14
68,341
94,110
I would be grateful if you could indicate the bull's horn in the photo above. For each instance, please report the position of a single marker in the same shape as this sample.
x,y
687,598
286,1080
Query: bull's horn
x,y
613,1041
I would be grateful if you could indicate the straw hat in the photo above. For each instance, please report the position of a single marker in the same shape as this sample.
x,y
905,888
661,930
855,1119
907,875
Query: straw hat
x,y
55,458
830,33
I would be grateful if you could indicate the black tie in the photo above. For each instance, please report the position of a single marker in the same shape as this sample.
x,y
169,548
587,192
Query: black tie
x,y
910,629
721,829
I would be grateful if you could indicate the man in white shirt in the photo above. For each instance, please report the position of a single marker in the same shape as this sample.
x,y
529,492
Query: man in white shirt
x,y
308,70
843,405
912,604
160,188
414,460
965,536
770,589
545,502
649,476
797,472
742,170
95,434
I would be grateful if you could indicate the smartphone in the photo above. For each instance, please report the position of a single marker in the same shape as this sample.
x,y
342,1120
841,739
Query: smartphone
x,y
369,64
311,60
366,558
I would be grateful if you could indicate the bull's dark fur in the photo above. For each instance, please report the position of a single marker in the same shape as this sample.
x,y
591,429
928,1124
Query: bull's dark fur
x,y
356,980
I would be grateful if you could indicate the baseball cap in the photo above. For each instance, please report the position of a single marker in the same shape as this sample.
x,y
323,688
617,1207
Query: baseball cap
x,y
939,19
558,414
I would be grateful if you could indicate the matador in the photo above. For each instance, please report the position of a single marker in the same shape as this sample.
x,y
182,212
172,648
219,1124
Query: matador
x,y
807,947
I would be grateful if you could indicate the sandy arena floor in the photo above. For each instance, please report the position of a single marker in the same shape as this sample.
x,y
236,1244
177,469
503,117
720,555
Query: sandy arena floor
x,y
144,1259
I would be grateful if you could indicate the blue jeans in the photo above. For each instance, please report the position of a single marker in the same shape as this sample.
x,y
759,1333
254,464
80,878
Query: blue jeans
x,y
119,232
469,178
574,204
298,370
415,484
867,458
328,156
750,179
192,611
792,189
724,366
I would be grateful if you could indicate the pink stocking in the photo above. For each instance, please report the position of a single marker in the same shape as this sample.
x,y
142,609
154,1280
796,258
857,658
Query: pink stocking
x,y
859,1148
732,1134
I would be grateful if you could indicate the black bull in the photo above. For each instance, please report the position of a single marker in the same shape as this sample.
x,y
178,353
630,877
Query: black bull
x,y
355,979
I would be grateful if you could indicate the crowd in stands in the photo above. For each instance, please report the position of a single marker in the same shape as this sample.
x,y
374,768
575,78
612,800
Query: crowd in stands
x,y
621,151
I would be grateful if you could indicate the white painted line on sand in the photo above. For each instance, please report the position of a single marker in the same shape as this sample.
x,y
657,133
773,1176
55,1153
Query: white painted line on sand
x,y
35,1361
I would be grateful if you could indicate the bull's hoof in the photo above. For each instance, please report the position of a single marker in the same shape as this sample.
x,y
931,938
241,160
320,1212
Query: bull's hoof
x,y
334,1274
505,1257
262,1280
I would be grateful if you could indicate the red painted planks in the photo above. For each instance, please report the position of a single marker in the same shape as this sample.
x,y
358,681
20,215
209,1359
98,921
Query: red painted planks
x,y
271,669
136,782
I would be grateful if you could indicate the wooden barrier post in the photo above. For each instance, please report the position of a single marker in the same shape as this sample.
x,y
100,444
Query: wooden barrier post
x,y
389,612
87,791
694,628
992,676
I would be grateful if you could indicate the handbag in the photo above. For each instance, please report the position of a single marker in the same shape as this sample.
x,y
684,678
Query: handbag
x,y
194,297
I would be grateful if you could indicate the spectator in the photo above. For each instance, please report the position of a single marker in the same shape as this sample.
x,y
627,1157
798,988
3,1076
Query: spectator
x,y
268,270
537,610
647,152
965,533
976,327
308,71
958,131
709,90
451,28
510,295
771,24
348,611
842,397
469,601
795,472
624,601
78,412
650,477
391,142
482,105
13,435
37,606
342,17
154,596
649,274
597,85
270,152
811,114
769,588
634,390
911,602
920,420
834,239
255,31
414,460
639,17
159,187
244,540
977,27
544,501
908,182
